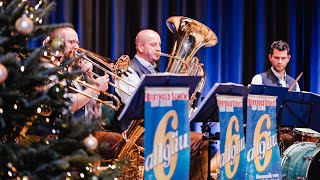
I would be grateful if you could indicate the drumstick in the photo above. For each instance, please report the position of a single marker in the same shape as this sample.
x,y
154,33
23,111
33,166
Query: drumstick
x,y
295,81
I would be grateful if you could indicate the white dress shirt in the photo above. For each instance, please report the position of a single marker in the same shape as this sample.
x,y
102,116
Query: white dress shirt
x,y
133,79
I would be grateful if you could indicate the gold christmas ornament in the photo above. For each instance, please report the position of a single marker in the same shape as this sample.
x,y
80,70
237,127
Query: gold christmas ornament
x,y
24,25
91,142
57,44
3,73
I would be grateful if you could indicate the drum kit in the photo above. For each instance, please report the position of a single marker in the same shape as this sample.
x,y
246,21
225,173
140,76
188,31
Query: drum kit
x,y
301,160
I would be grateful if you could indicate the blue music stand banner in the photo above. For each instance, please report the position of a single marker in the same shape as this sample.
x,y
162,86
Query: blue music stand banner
x,y
232,141
167,133
263,156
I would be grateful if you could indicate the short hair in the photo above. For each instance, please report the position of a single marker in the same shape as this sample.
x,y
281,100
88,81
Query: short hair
x,y
55,34
280,45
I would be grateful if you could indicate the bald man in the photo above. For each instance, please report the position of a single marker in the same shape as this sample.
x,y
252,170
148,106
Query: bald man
x,y
148,42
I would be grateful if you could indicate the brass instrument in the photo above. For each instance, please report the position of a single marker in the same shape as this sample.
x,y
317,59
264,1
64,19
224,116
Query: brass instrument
x,y
115,71
191,36
112,84
129,150
83,83
118,69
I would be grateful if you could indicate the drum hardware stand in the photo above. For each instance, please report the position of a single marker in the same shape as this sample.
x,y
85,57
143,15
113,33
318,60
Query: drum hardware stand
x,y
207,135
279,116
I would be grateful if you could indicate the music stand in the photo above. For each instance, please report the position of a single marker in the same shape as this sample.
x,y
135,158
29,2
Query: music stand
x,y
304,108
314,112
134,109
208,110
294,109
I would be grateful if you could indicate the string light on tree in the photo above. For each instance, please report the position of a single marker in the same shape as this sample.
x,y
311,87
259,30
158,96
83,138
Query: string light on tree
x,y
57,91
44,110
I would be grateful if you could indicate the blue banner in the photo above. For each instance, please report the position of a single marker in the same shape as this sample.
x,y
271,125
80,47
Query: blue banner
x,y
263,155
232,141
167,133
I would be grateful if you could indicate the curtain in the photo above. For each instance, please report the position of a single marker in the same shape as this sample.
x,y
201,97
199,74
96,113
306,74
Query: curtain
x,y
245,30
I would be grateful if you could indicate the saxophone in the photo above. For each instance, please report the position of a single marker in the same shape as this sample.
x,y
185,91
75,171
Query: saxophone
x,y
190,35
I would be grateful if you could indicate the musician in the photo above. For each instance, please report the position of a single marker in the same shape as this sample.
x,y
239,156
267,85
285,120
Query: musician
x,y
83,106
148,42
71,41
276,76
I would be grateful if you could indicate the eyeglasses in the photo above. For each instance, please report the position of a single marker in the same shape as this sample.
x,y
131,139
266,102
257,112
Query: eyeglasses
x,y
73,42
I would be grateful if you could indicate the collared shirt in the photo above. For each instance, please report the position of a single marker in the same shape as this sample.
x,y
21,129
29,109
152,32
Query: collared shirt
x,y
257,79
73,96
134,79
282,80
148,65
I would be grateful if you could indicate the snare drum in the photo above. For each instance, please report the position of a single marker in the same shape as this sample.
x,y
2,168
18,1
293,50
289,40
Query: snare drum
x,y
305,135
301,161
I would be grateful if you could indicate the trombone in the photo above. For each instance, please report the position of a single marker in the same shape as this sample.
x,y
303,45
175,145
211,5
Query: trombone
x,y
83,83
116,71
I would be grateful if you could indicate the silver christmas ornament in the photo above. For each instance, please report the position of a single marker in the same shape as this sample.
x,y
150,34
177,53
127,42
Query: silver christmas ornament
x,y
24,25
91,142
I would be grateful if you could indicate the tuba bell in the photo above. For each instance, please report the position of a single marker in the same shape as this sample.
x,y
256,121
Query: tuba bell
x,y
190,36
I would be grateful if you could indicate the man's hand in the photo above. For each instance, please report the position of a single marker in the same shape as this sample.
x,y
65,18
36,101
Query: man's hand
x,y
102,82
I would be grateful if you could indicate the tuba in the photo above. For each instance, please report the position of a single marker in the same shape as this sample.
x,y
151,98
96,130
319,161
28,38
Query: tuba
x,y
190,36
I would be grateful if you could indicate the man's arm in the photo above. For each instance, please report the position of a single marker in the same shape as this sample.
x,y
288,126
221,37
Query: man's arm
x,y
257,79
133,79
79,100
298,87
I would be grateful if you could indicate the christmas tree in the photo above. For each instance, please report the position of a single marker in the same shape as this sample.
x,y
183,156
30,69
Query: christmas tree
x,y
33,98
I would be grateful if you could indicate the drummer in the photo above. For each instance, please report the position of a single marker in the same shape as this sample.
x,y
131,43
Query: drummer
x,y
279,58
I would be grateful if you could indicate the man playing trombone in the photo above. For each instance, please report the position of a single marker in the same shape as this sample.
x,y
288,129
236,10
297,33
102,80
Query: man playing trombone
x,y
82,104
71,41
